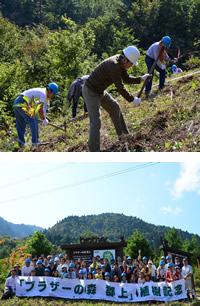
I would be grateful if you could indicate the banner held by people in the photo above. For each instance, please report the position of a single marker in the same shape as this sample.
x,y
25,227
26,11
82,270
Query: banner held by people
x,y
100,290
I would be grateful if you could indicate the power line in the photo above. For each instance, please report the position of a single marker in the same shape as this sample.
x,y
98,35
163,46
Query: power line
x,y
36,175
83,182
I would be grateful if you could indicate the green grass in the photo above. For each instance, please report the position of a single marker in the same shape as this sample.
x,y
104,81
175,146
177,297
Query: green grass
x,y
50,301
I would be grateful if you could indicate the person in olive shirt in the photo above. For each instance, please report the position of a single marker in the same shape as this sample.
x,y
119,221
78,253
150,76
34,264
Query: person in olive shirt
x,y
111,71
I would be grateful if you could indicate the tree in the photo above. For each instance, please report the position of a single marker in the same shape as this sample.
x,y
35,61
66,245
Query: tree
x,y
138,242
38,244
174,239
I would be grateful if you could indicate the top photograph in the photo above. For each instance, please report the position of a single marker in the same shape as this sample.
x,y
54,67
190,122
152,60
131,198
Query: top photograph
x,y
99,76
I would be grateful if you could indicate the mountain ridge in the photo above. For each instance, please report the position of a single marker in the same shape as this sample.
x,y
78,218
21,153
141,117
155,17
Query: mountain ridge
x,y
17,230
111,225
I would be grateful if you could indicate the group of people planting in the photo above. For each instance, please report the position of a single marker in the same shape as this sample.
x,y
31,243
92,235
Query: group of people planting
x,y
93,90
141,270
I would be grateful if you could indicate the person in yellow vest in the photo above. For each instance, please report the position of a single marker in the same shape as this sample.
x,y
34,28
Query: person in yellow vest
x,y
99,274
44,95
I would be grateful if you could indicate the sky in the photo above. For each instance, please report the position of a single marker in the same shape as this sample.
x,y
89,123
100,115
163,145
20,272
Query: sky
x,y
44,193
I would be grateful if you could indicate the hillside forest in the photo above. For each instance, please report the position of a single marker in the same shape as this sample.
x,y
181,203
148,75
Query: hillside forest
x,y
46,41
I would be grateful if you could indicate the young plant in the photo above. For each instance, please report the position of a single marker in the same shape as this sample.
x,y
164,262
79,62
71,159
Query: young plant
x,y
31,109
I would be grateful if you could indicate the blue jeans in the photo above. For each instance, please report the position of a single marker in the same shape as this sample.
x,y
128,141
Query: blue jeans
x,y
21,120
74,107
149,62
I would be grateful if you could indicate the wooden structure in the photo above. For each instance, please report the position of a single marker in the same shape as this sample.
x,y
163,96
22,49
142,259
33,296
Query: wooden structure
x,y
173,252
87,246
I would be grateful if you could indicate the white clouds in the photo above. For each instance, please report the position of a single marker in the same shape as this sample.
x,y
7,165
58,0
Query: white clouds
x,y
171,210
167,183
189,179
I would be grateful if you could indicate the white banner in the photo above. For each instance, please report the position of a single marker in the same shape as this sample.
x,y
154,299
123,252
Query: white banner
x,y
100,289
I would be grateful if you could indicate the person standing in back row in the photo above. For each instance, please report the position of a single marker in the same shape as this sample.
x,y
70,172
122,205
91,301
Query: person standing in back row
x,y
151,56
111,71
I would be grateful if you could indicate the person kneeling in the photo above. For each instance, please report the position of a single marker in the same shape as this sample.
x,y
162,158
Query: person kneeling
x,y
10,286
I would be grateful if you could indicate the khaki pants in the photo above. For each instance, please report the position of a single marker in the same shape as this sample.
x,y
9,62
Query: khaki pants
x,y
93,102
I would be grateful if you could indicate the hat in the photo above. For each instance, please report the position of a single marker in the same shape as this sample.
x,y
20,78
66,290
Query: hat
x,y
94,272
17,265
150,262
89,260
81,272
39,262
112,259
129,258
163,257
28,260
169,265
185,259
51,261
107,274
56,259
144,258
123,274
72,265
162,262
103,267
61,255
177,267
46,270
168,257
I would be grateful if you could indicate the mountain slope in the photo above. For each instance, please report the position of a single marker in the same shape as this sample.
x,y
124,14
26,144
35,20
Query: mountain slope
x,y
167,122
17,230
108,225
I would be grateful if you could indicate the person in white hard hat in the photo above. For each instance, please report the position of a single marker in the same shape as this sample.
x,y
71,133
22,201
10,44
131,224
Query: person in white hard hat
x,y
111,71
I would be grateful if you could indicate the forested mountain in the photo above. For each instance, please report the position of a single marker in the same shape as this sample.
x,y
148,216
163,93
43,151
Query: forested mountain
x,y
144,20
17,230
108,225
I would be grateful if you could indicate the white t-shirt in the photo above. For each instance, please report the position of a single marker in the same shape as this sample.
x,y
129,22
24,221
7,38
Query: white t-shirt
x,y
154,51
26,271
11,282
177,71
38,93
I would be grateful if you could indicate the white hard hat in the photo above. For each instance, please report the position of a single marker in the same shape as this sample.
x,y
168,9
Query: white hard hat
x,y
133,54
64,266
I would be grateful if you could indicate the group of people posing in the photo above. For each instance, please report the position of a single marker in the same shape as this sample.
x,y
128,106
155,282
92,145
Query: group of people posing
x,y
139,271
93,90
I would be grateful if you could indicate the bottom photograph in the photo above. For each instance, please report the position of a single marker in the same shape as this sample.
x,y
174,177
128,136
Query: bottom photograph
x,y
84,233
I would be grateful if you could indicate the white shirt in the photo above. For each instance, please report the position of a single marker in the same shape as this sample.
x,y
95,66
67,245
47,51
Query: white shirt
x,y
38,93
11,282
186,270
162,271
26,271
177,71
154,51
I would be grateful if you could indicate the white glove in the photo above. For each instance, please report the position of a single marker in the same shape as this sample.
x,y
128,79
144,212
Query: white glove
x,y
136,101
45,121
146,76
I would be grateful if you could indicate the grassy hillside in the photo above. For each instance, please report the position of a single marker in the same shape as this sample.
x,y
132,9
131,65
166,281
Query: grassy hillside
x,y
160,124
109,225
17,230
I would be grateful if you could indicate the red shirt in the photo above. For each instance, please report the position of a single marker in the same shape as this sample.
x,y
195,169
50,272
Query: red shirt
x,y
170,276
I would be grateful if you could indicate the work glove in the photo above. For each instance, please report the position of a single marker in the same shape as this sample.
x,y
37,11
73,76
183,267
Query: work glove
x,y
45,121
146,76
136,101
